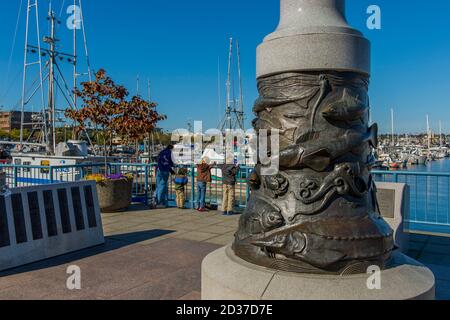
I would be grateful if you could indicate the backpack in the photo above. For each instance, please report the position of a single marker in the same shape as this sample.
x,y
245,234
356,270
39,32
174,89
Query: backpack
x,y
181,180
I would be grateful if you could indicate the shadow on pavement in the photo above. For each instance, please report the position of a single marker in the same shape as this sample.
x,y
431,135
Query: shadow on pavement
x,y
112,243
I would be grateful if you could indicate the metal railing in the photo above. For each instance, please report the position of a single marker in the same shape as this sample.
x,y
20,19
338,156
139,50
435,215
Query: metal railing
x,y
144,180
429,192
429,198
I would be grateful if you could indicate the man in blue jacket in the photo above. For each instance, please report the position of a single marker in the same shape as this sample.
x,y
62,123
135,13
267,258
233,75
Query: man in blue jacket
x,y
163,171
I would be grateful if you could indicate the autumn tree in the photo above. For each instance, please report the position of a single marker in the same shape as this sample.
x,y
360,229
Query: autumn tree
x,y
106,106
138,118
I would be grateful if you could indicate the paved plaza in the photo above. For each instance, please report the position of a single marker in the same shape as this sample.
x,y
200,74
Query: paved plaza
x,y
157,254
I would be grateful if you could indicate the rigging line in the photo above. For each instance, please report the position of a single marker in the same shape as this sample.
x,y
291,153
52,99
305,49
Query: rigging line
x,y
34,92
62,8
85,42
65,84
63,94
12,84
8,70
17,105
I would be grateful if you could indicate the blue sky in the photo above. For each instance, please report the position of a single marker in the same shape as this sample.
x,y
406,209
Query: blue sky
x,y
177,43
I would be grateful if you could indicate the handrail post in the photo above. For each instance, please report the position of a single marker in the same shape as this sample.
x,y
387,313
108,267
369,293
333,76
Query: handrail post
x,y
146,185
51,175
15,177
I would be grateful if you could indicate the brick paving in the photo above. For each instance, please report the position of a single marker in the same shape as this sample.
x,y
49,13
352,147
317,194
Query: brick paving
x,y
157,254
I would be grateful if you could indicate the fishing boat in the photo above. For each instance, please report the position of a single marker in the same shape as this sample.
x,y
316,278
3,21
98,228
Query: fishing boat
x,y
46,152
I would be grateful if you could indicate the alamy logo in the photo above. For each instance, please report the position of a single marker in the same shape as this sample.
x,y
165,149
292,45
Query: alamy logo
x,y
374,280
74,20
74,280
374,20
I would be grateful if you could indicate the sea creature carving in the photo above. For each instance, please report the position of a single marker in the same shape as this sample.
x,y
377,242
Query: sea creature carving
x,y
349,109
277,185
340,181
318,154
319,213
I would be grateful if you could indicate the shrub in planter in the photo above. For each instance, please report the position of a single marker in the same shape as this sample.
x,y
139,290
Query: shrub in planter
x,y
114,191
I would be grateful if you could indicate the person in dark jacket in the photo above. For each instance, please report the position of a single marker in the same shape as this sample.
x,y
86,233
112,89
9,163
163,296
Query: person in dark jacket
x,y
229,172
203,178
163,171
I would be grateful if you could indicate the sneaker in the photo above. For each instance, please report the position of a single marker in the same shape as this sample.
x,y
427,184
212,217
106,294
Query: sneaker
x,y
202,210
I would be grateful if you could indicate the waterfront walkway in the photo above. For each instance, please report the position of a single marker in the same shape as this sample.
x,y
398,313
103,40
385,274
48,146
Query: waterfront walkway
x,y
157,254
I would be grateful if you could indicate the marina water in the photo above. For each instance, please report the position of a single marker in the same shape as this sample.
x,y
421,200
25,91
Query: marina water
x,y
429,195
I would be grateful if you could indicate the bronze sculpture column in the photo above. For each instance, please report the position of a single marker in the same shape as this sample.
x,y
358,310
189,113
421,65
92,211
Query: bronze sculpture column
x,y
313,230
320,213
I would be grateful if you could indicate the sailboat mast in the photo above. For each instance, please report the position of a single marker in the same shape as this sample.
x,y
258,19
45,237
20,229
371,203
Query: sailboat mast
x,y
25,64
75,75
51,141
428,133
392,127
241,93
219,91
230,57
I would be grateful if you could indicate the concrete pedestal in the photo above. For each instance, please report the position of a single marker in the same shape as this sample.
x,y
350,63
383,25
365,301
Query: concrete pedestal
x,y
227,277
313,35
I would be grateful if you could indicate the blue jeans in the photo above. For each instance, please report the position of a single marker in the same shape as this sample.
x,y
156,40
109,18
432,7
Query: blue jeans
x,y
201,195
162,187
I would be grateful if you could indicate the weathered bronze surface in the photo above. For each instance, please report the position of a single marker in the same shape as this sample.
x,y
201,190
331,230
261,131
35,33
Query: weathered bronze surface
x,y
319,214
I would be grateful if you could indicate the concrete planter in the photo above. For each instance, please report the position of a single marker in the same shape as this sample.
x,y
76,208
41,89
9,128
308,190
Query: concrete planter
x,y
115,195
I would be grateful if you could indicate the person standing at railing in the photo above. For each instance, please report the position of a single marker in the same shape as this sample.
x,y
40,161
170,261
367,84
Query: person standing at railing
x,y
229,172
181,180
203,178
163,171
